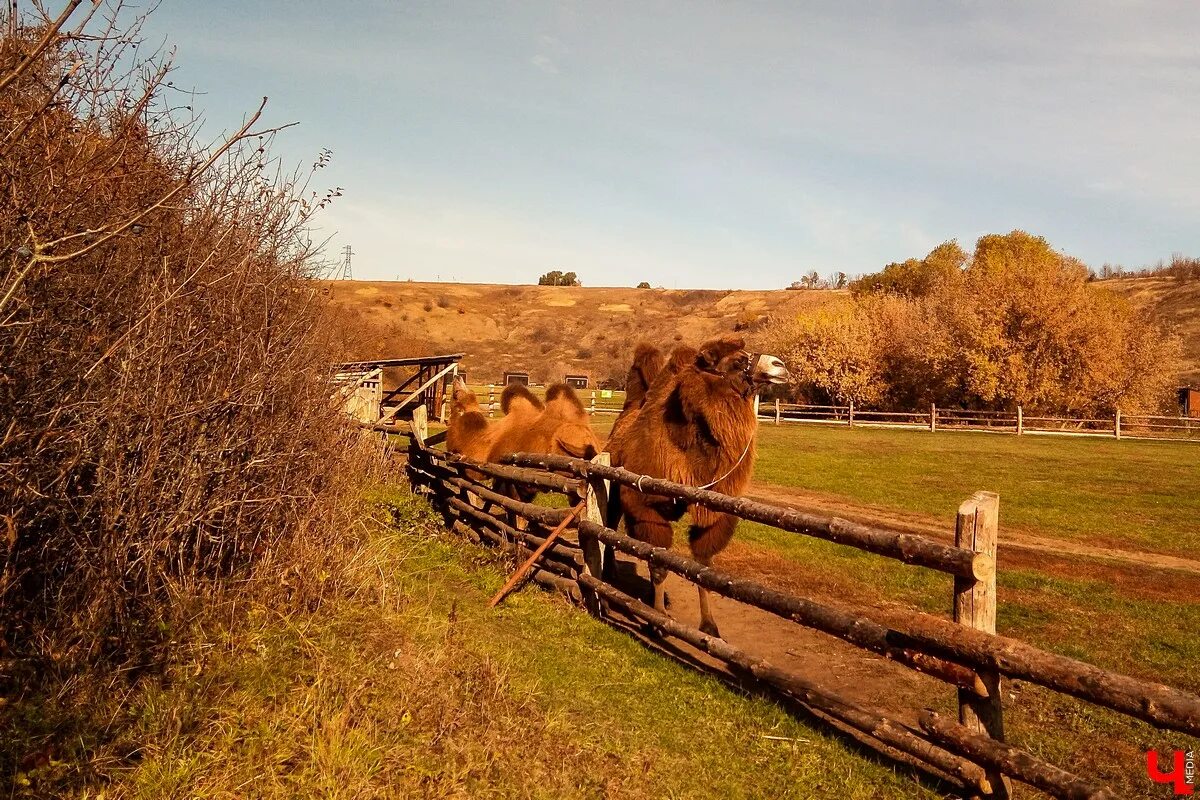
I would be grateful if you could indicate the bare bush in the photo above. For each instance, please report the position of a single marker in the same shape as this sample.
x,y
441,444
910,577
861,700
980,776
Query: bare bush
x,y
168,425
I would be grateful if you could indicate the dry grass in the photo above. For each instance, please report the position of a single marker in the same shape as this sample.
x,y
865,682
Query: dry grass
x,y
1173,302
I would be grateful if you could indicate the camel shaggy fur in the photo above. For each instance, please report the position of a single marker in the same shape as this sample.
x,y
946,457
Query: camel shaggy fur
x,y
696,426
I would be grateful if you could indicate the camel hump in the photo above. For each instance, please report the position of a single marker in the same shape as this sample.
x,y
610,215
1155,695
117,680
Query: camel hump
x,y
577,441
564,392
647,364
516,395
473,425
681,357
716,349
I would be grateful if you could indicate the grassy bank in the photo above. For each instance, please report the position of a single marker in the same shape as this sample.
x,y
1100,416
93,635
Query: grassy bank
x,y
409,687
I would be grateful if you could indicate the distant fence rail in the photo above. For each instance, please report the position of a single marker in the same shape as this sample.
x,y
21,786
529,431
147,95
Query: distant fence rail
x,y
965,653
1133,426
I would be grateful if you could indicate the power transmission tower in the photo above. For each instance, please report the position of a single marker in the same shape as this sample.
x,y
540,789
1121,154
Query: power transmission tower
x,y
344,273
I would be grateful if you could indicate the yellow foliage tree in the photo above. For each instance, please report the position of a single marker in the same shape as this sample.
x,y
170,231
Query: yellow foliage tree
x,y
1015,324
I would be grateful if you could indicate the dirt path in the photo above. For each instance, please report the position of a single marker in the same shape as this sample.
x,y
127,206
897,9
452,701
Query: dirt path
x,y
929,526
859,675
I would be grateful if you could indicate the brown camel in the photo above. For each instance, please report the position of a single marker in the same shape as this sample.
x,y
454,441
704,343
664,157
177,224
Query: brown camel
x,y
472,434
562,428
695,426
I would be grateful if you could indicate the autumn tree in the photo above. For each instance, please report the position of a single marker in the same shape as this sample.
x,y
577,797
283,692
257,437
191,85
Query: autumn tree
x,y
915,277
1014,324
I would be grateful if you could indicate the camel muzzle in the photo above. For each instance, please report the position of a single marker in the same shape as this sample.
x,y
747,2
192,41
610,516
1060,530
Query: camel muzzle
x,y
769,369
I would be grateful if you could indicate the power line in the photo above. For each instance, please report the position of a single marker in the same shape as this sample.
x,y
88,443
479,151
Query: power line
x,y
345,273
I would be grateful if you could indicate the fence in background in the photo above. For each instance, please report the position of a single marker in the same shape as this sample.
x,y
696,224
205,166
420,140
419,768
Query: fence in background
x,y
1133,426
964,653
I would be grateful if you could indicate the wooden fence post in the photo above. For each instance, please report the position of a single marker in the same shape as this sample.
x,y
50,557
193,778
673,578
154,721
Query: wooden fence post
x,y
592,408
420,424
977,528
933,417
776,410
1020,421
1117,424
756,402
850,418
596,510
491,399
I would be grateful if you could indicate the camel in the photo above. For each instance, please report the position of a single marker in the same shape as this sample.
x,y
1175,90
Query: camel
x,y
559,426
695,425
562,428
472,434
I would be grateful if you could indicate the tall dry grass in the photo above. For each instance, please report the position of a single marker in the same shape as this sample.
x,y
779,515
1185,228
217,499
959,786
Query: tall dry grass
x,y
167,436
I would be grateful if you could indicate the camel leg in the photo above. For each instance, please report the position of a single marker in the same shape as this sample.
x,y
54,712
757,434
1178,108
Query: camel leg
x,y
707,624
646,525
658,578
709,535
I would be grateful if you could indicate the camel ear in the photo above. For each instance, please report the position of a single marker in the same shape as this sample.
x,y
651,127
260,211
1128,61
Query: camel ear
x,y
709,356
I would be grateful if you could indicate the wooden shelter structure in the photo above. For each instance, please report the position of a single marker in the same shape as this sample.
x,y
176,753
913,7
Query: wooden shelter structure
x,y
423,382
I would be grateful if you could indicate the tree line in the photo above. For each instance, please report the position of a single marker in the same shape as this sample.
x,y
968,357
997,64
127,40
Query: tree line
x,y
1013,323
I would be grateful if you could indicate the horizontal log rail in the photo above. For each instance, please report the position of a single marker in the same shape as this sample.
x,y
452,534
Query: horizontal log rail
x,y
544,574
906,547
561,553
541,514
1013,761
887,731
857,630
939,640
530,477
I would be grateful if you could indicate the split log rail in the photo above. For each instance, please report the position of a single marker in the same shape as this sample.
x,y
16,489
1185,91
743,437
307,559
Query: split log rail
x,y
965,653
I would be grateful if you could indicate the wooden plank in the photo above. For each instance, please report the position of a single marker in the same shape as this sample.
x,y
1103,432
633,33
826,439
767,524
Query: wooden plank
x,y
420,425
596,498
906,547
977,528
400,362
561,551
520,572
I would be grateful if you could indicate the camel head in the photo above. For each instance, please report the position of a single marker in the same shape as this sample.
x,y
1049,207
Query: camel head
x,y
463,400
727,357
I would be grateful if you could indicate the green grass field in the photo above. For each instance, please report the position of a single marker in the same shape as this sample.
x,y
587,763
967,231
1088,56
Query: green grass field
x,y
1127,494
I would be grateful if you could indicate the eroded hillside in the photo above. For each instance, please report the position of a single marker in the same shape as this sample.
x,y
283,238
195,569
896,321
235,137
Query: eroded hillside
x,y
547,330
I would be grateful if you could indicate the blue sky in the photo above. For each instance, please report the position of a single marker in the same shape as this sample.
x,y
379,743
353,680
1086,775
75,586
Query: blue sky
x,y
706,144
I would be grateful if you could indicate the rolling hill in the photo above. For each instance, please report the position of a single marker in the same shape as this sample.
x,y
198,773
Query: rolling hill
x,y
1175,303
547,331
552,330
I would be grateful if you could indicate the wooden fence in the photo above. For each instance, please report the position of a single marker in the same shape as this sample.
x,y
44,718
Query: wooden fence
x,y
965,653
1134,426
